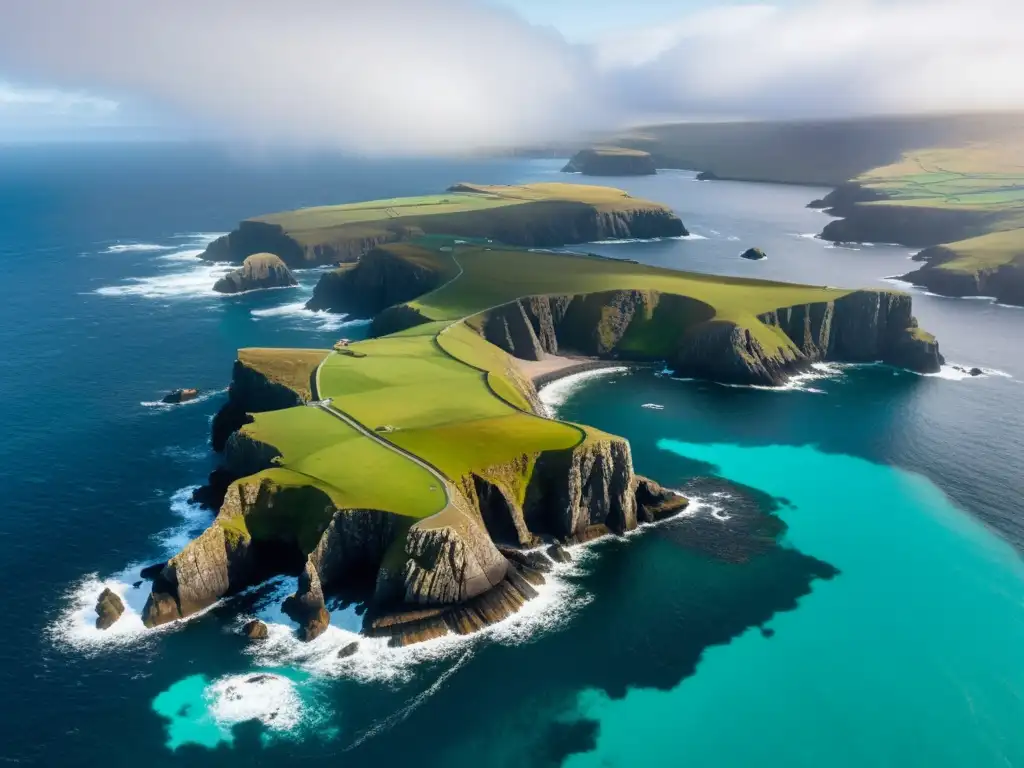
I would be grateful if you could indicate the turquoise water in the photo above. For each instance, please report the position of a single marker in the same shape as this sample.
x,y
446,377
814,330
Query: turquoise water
x,y
911,656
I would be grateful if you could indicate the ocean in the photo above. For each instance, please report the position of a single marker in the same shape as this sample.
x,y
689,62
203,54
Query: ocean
x,y
845,589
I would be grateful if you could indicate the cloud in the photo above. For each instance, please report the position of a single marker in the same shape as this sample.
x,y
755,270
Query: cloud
x,y
824,59
443,76
386,75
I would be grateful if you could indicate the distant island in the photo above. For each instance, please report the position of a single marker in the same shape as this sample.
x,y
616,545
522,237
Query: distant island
x,y
611,161
531,215
419,469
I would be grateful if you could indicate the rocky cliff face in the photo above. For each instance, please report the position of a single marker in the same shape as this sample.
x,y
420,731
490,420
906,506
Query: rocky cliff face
x,y
260,270
864,326
595,162
380,279
913,226
1005,283
250,392
344,245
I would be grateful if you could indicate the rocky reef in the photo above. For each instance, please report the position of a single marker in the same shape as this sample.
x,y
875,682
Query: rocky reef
x,y
260,270
863,326
611,161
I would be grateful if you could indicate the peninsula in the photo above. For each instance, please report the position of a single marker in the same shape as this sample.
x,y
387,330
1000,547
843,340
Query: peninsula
x,y
419,467
531,215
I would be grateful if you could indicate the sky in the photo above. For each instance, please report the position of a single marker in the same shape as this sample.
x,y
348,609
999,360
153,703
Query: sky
x,y
447,76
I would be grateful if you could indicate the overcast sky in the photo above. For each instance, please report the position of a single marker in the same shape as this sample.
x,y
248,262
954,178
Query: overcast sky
x,y
438,76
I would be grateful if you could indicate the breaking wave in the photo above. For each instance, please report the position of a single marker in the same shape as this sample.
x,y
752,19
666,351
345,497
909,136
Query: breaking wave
x,y
137,248
555,394
322,320
196,283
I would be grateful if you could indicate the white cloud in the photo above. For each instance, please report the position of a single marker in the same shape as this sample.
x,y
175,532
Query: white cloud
x,y
452,75
827,59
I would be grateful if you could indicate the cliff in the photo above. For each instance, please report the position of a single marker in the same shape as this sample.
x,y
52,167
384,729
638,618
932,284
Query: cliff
x,y
383,277
863,326
992,265
611,161
867,218
532,215
260,270
264,380
431,576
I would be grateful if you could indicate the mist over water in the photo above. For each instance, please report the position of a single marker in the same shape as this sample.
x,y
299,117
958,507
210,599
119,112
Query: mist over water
x,y
841,592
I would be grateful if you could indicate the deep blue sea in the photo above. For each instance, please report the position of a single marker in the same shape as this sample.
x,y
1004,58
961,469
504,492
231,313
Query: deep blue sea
x,y
846,590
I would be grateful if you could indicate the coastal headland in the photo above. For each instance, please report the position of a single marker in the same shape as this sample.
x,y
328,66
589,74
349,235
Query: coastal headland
x,y
950,185
419,467
542,215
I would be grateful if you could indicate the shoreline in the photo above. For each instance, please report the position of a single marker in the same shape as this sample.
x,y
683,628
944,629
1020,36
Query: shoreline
x,y
551,368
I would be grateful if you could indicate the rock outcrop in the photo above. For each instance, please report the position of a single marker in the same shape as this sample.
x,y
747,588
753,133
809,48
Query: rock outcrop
x,y
654,503
707,176
754,254
260,270
611,161
180,396
109,608
255,630
381,278
211,566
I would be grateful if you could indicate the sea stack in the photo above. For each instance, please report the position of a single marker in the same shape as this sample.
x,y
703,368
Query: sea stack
x,y
611,161
261,270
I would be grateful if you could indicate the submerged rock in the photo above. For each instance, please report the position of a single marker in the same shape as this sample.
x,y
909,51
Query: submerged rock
x,y
707,176
754,254
255,630
180,396
109,608
261,270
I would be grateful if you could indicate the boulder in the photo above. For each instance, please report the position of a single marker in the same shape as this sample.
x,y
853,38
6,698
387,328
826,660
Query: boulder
x,y
109,608
975,372
261,270
348,650
255,630
754,254
559,554
180,396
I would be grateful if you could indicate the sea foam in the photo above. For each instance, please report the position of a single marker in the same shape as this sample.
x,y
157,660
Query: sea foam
x,y
321,320
555,394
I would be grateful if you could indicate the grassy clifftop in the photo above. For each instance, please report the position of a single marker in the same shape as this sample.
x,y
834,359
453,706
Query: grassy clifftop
x,y
544,214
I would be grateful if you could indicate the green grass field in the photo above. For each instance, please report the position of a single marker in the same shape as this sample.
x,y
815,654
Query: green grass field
x,y
978,177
